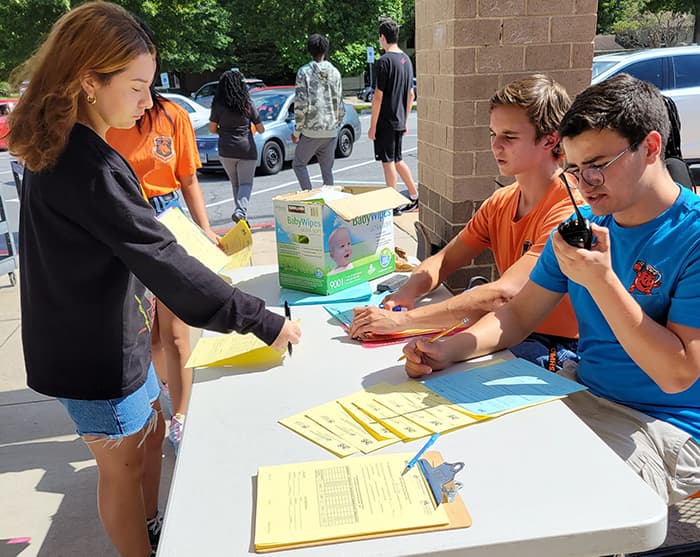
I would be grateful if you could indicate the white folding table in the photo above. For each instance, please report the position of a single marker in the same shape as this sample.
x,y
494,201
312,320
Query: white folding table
x,y
537,482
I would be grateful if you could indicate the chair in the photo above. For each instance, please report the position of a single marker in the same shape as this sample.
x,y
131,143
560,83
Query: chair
x,y
425,248
675,164
8,250
477,281
17,174
679,171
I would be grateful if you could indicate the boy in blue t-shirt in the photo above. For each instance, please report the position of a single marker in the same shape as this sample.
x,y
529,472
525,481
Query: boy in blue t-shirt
x,y
636,292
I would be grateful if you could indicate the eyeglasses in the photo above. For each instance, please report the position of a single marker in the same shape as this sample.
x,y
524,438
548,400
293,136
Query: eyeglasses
x,y
594,175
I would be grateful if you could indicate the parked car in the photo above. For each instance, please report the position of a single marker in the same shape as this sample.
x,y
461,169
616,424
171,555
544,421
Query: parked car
x,y
205,94
675,71
367,94
6,106
276,107
198,114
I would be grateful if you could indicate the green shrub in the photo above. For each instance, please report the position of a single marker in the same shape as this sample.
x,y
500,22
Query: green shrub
x,y
5,89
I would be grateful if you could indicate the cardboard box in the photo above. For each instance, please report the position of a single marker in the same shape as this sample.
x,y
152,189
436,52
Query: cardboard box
x,y
328,240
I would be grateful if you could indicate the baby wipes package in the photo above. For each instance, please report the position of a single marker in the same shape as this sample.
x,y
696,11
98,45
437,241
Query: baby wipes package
x,y
333,238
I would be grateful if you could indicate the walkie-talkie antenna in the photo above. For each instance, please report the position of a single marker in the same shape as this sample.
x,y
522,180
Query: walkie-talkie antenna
x,y
576,232
571,196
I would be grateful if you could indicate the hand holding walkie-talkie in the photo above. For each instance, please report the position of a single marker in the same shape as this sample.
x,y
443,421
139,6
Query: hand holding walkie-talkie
x,y
577,232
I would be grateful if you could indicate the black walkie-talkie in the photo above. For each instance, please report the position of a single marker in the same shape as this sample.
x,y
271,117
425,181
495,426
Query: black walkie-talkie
x,y
577,232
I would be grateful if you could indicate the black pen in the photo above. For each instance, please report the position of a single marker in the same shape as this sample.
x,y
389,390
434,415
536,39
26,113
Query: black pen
x,y
288,315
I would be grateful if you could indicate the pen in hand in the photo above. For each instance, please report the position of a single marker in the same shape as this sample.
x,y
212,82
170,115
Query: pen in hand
x,y
414,460
288,315
441,334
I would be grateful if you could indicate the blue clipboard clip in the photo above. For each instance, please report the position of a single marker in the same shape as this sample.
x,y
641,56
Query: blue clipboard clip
x,y
441,479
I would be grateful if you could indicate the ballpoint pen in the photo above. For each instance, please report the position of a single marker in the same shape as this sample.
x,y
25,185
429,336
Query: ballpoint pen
x,y
395,308
441,334
414,460
288,315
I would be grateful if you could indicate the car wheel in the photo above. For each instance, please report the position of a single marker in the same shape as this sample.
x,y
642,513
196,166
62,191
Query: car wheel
x,y
345,144
272,160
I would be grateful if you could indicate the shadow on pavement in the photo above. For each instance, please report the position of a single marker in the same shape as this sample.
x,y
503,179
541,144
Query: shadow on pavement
x,y
50,477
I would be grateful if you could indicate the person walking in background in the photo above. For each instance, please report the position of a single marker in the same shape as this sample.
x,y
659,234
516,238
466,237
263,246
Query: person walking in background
x,y
162,151
318,112
90,248
391,105
233,115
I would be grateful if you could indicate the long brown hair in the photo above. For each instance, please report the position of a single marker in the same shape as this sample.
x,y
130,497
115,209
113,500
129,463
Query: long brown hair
x,y
95,39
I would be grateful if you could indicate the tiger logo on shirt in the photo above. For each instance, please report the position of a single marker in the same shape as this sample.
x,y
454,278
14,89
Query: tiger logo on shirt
x,y
163,148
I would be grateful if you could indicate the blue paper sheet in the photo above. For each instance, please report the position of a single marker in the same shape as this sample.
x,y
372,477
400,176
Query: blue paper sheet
x,y
359,293
501,387
343,311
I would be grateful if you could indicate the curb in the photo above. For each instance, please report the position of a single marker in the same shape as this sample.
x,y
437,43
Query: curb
x,y
253,228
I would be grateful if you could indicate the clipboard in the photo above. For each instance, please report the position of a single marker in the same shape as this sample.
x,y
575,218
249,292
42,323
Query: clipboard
x,y
457,515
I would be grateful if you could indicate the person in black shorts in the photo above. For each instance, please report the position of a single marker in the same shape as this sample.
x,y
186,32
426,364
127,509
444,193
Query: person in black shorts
x,y
391,104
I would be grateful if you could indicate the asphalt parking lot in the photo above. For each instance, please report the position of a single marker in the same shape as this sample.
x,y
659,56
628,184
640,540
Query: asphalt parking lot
x,y
359,168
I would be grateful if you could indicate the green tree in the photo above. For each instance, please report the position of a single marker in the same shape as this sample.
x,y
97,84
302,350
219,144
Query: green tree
x,y
263,37
192,34
679,6
23,25
611,12
285,24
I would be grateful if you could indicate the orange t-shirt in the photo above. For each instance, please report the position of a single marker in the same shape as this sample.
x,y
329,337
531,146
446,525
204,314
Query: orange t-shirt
x,y
161,155
494,226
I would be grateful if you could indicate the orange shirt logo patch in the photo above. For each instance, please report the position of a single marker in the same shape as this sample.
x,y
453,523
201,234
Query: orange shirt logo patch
x,y
163,148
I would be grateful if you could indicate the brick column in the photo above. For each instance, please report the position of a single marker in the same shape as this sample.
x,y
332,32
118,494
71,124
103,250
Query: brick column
x,y
465,51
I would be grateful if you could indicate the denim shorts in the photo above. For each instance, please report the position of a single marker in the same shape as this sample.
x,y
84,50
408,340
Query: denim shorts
x,y
538,348
118,417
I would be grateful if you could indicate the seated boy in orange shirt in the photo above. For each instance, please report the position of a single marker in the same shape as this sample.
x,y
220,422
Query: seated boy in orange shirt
x,y
514,223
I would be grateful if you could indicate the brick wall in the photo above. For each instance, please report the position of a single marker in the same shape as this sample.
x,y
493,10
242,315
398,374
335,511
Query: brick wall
x,y
465,51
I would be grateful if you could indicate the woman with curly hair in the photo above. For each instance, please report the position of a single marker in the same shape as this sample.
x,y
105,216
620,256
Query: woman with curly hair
x,y
91,246
233,116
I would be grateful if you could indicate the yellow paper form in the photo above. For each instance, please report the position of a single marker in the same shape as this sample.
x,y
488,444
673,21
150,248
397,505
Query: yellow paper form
x,y
376,429
237,243
335,419
325,500
306,427
232,349
193,239
394,422
419,404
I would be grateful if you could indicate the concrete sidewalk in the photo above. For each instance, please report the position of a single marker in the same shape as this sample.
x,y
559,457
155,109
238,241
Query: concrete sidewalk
x,y
47,476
